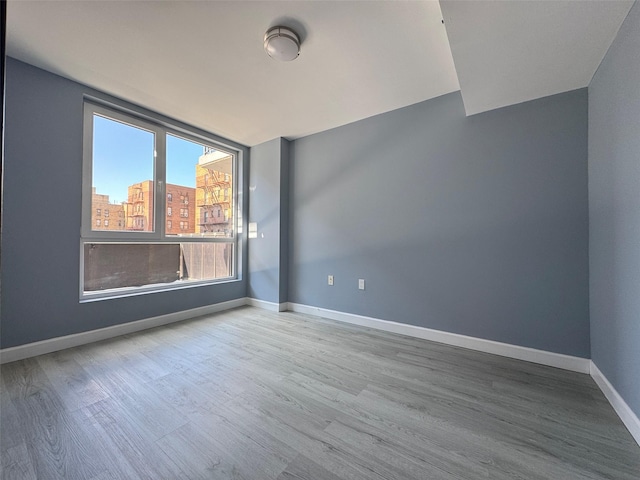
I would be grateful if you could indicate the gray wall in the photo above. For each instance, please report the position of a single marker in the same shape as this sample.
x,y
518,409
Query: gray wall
x,y
41,219
268,201
473,225
614,212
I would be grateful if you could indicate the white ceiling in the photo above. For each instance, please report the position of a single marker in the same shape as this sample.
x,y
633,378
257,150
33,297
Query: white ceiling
x,y
203,62
508,52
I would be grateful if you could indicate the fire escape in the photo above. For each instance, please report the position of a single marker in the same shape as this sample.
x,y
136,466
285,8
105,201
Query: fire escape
x,y
215,203
136,208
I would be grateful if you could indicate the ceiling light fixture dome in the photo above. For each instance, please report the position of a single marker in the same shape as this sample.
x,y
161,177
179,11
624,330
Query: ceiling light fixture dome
x,y
282,43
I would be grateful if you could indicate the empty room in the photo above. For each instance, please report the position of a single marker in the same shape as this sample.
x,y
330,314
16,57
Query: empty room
x,y
321,240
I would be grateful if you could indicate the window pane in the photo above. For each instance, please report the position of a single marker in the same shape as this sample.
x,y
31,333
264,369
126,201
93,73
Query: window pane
x,y
206,261
123,176
109,266
200,180
124,265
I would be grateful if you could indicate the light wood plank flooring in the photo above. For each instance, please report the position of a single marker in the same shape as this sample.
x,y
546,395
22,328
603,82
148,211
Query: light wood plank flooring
x,y
250,394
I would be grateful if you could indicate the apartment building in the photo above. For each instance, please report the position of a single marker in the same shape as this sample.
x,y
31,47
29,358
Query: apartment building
x,y
106,215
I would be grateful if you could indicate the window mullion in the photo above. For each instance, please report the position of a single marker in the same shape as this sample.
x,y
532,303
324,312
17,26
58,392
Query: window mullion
x,y
160,182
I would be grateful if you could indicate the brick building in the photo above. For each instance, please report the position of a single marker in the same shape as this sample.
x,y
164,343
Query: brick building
x,y
136,214
139,207
214,193
205,209
181,210
106,215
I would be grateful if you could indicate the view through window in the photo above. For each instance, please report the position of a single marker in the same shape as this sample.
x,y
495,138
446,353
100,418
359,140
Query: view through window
x,y
161,206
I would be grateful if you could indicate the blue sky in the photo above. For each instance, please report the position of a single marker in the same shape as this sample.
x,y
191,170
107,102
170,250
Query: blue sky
x,y
123,155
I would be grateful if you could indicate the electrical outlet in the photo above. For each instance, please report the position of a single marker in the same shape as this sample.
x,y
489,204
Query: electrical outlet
x,y
361,283
330,279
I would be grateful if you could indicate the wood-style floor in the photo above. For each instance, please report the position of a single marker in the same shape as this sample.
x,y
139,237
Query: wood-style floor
x,y
250,394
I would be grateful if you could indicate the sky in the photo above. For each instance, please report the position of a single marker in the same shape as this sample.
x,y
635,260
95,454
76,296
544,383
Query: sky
x,y
123,155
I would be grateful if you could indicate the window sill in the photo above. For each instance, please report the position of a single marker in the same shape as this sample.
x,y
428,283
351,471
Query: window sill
x,y
116,293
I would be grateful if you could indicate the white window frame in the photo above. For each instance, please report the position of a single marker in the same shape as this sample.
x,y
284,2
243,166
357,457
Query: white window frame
x,y
159,234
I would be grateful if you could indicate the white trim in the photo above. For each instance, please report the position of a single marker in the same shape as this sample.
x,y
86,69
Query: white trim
x,y
558,360
628,417
271,306
60,343
566,362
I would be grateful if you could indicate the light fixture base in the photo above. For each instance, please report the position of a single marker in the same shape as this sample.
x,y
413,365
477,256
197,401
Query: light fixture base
x,y
282,43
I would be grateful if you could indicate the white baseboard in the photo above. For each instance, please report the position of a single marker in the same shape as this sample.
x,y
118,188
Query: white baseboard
x,y
558,360
566,362
60,343
271,306
628,417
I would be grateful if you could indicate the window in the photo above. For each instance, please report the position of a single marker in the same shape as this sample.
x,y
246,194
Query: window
x,y
128,163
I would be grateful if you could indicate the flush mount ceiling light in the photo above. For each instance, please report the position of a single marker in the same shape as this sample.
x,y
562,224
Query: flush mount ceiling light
x,y
282,43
